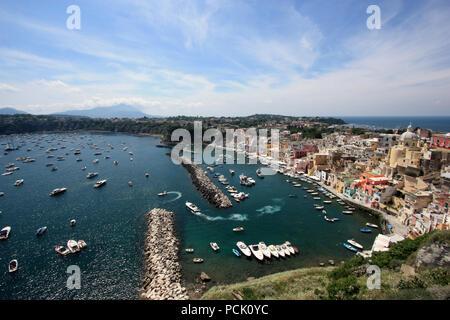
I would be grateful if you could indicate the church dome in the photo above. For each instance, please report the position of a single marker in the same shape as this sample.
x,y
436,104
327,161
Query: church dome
x,y
409,134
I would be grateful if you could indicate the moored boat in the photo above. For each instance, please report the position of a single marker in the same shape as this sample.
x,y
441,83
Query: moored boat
x,y
290,248
189,250
81,244
355,244
214,246
280,251
365,230
347,212
371,225
286,249
264,249
100,183
244,249
41,231
349,247
13,266
254,248
62,250
18,182
57,191
236,253
72,245
4,233
197,260
273,251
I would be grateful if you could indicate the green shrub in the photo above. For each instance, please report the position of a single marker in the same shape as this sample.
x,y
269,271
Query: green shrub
x,y
343,288
414,283
437,277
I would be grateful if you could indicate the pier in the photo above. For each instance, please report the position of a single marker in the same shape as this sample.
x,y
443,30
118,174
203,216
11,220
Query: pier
x,y
206,186
162,280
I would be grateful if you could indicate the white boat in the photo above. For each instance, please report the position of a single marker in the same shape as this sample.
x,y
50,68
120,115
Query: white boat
x,y
41,231
273,251
73,222
57,191
280,251
91,174
13,266
192,207
254,248
371,225
162,193
286,249
100,183
82,244
130,183
264,249
4,233
62,250
72,245
243,248
214,246
18,182
238,229
290,247
355,244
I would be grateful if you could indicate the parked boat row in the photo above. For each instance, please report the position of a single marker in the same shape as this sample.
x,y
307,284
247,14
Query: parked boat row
x,y
261,251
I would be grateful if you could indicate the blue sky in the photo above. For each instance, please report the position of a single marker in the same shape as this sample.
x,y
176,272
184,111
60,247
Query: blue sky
x,y
225,57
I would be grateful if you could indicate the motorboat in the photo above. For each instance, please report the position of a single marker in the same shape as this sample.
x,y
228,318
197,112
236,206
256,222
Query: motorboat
x,y
82,244
371,225
4,233
197,260
273,251
18,182
327,201
238,229
365,230
349,247
280,251
72,245
254,248
189,250
116,162
100,183
130,183
84,168
232,172
214,246
236,252
62,250
290,247
319,207
95,161
286,250
324,211
259,174
243,248
192,207
54,169
73,222
264,250
347,212
355,244
13,266
296,250
161,194
91,175
147,175
57,191
41,231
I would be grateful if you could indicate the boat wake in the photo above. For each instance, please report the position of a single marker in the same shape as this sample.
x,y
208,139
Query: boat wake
x,y
268,210
174,192
233,217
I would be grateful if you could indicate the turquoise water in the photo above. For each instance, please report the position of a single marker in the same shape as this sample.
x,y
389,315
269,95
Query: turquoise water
x,y
111,219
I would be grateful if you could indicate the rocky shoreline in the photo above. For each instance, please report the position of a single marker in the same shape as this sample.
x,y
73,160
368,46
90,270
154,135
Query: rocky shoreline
x,y
206,186
162,280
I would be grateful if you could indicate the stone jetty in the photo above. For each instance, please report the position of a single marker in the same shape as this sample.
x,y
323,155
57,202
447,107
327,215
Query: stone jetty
x,y
206,186
162,280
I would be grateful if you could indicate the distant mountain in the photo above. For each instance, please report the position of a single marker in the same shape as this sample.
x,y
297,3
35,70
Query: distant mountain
x,y
118,111
11,111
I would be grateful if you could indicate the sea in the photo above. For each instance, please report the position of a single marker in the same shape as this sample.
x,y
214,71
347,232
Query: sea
x,y
111,219
439,124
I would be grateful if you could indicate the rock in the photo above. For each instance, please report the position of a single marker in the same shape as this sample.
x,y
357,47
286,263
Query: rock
x,y
408,270
436,255
204,277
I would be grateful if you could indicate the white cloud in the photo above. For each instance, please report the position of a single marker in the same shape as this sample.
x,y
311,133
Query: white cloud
x,y
7,87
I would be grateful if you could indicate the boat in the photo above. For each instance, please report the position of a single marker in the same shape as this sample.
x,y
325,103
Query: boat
x,y
259,174
161,194
130,183
280,251
73,222
192,207
244,249
72,245
91,175
290,248
100,183
95,161
254,248
296,250
197,260
237,253
349,247
347,212
57,191
324,211
355,244
18,182
238,229
54,169
319,207
365,230
286,249
13,266
232,172
116,162
4,233
147,175
7,173
81,244
264,250
84,168
41,231
327,201
62,250
189,250
316,198
214,246
371,225
292,196
273,251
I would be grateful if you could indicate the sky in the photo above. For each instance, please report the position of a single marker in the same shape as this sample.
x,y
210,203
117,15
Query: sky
x,y
227,57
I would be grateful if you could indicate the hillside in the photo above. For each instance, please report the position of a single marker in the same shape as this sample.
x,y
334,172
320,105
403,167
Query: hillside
x,y
118,111
412,269
11,111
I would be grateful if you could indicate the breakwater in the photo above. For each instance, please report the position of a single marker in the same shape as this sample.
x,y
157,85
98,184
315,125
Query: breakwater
x,y
206,186
162,280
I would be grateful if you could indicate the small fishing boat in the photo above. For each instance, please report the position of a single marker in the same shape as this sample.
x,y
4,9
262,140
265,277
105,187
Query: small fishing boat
x,y
355,244
286,249
100,183
189,250
349,247
95,161
327,201
316,198
214,246
73,222
13,266
41,231
197,260
54,169
371,225
244,249
72,245
237,253
192,207
259,174
238,229
280,251
82,244
91,175
365,230
116,162
296,250
84,168
130,183
273,251
161,194
4,233
290,248
57,191
319,207
264,250
147,175
347,212
254,248
324,211
18,182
